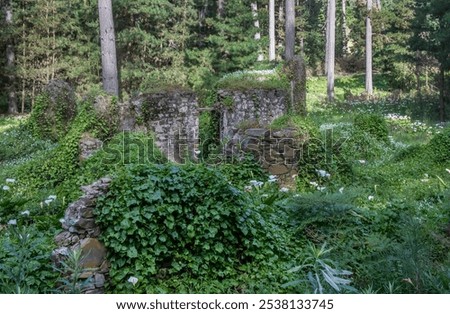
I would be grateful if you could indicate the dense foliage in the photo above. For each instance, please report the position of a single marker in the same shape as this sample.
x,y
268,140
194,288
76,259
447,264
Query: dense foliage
x,y
180,222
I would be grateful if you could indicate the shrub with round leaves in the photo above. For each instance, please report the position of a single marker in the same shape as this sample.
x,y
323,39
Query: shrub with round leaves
x,y
164,221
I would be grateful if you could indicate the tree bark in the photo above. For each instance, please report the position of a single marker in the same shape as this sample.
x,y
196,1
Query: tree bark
x,y
254,7
298,85
294,65
10,60
345,31
378,5
369,83
331,43
271,30
108,48
442,88
327,51
220,8
290,30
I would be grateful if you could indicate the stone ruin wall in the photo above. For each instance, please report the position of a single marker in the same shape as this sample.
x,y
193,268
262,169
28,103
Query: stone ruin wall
x,y
245,117
173,118
250,108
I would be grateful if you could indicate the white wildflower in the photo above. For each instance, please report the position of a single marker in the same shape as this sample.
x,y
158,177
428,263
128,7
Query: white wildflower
x,y
247,188
256,183
321,188
272,178
197,152
448,170
371,197
25,213
62,220
323,173
133,280
313,183
284,190
6,188
48,201
341,190
52,197
12,222
362,161
10,180
265,195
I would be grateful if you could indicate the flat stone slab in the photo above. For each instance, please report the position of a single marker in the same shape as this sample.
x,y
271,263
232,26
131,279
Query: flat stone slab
x,y
257,132
93,253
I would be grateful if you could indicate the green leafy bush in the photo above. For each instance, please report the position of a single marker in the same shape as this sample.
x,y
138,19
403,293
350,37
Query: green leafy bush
x,y
439,147
161,222
25,265
239,172
60,164
372,124
53,112
361,146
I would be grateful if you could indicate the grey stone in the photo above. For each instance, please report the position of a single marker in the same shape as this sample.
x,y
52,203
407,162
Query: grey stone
x,y
89,146
259,133
99,280
63,238
286,133
87,212
278,169
85,224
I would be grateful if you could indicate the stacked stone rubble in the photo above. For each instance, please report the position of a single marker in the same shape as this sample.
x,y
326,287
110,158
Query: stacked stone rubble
x,y
81,232
277,151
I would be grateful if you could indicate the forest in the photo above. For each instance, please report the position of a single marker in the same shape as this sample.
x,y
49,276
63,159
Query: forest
x,y
367,89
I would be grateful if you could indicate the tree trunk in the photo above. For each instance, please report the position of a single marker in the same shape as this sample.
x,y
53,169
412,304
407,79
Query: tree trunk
x,y
369,84
220,8
345,32
23,65
294,65
271,30
10,59
442,88
290,30
254,6
331,39
108,48
378,5
327,39
281,13
298,85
